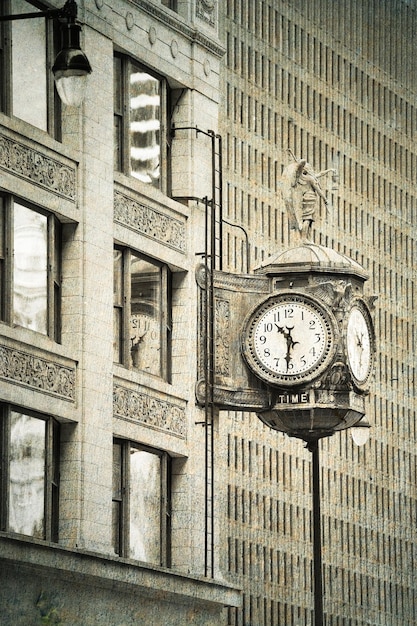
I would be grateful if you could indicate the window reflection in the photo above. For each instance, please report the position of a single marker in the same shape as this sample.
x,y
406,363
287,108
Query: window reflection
x,y
27,470
145,315
145,506
145,101
30,269
29,79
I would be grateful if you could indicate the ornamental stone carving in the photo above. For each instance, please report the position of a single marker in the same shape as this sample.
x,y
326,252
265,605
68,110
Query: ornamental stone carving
x,y
140,406
35,372
149,222
222,336
205,10
37,167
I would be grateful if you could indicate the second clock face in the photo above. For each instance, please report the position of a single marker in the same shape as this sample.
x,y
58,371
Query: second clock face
x,y
359,343
289,339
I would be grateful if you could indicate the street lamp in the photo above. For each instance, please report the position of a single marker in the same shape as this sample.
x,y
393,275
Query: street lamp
x,y
71,66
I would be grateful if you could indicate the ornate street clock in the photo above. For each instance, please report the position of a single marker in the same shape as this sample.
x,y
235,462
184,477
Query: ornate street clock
x,y
360,342
289,339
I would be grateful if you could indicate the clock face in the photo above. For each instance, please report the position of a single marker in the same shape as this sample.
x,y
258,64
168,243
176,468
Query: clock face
x,y
289,339
359,340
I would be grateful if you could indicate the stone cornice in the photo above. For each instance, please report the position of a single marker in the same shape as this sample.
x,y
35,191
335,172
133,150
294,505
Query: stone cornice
x,y
193,34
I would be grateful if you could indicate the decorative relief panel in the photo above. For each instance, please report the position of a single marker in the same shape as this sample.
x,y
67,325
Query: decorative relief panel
x,y
222,336
205,10
32,371
149,410
150,222
37,167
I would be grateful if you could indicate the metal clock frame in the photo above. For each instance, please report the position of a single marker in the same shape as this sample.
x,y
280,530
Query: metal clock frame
x,y
288,380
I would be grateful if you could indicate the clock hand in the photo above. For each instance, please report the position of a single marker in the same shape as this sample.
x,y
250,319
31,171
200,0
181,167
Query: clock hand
x,y
290,342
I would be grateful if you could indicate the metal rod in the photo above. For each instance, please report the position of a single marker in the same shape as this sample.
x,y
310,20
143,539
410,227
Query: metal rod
x,y
69,10
317,553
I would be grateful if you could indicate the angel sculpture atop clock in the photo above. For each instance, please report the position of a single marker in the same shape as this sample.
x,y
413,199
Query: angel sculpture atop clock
x,y
300,191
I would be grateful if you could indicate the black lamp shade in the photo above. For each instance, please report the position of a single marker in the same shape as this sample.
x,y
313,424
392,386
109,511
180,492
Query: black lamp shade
x,y
71,66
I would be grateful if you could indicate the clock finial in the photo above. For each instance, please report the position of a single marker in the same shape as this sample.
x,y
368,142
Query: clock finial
x,y
300,191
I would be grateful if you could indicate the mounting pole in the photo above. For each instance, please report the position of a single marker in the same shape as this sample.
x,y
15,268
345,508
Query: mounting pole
x,y
313,446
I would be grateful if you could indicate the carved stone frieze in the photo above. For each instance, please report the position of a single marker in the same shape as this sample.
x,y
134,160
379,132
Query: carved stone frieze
x,y
34,165
205,10
142,407
35,372
149,222
222,336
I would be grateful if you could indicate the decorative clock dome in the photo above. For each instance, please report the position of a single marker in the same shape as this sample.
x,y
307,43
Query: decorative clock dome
x,y
311,258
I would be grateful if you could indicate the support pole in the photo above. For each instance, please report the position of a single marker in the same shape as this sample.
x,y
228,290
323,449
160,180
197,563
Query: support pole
x,y
317,555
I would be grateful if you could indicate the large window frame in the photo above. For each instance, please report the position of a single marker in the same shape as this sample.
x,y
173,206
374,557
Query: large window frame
x,y
49,37
154,129
29,502
9,259
141,504
142,338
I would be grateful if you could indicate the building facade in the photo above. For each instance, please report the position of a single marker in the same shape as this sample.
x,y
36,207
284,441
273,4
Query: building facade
x,y
333,82
123,501
102,478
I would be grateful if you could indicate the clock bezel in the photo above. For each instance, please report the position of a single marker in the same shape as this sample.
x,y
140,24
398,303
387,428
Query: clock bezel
x,y
359,304
260,369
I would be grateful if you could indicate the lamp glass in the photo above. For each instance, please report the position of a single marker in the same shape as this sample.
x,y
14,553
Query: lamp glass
x,y
71,87
360,435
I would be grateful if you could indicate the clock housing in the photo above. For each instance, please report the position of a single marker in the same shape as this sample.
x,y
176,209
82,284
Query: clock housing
x,y
289,339
360,343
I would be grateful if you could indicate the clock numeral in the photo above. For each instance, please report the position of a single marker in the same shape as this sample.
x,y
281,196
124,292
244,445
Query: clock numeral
x,y
289,313
318,337
303,360
262,339
268,327
312,351
312,324
276,316
267,352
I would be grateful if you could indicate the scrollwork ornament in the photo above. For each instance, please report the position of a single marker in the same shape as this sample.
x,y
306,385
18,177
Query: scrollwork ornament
x,y
37,167
37,373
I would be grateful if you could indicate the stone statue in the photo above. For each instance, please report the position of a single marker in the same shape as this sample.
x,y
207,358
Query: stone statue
x,y
301,191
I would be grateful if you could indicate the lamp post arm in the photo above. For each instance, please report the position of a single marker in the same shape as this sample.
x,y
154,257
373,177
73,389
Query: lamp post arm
x,y
69,10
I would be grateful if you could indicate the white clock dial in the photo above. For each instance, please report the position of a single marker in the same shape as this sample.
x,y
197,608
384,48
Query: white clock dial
x,y
289,339
359,344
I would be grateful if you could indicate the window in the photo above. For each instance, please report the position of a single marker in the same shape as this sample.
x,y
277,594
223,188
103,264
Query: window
x,y
140,123
29,474
27,50
30,268
171,4
142,313
141,503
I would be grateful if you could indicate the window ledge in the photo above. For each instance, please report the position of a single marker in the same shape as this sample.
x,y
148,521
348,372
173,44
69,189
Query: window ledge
x,y
115,574
19,337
